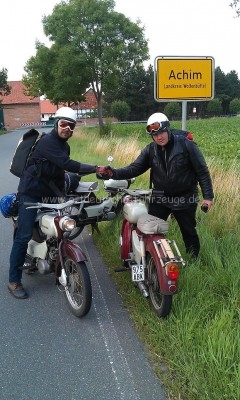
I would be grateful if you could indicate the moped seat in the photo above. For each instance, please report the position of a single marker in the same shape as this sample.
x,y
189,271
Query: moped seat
x,y
151,225
84,187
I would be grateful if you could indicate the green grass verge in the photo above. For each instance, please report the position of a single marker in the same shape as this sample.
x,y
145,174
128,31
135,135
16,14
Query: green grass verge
x,y
196,351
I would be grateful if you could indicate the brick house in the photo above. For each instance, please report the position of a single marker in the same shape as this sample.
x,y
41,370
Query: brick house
x,y
47,109
87,106
82,108
19,109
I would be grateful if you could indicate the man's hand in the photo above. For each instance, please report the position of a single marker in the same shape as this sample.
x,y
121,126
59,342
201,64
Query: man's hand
x,y
103,172
206,205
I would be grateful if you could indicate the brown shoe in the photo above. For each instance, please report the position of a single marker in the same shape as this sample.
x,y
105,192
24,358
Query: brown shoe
x,y
17,290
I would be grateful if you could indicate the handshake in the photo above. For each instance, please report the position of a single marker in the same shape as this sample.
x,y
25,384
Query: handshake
x,y
104,172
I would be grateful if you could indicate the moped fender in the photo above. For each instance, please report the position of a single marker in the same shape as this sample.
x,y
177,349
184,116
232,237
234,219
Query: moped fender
x,y
73,251
163,279
126,239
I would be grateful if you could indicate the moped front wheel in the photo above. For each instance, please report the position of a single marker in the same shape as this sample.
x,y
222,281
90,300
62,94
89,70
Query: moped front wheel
x,y
78,290
75,232
161,304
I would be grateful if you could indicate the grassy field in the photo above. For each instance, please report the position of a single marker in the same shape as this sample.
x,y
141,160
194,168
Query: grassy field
x,y
196,351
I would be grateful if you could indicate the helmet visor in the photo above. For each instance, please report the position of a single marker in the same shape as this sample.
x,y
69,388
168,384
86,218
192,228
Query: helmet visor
x,y
157,127
63,123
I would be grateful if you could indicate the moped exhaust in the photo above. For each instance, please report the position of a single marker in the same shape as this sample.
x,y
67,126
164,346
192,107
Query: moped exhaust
x,y
143,289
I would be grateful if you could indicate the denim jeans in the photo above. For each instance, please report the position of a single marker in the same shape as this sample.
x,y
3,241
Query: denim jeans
x,y
26,219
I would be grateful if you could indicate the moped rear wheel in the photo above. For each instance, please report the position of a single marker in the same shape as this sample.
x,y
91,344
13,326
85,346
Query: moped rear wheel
x,y
79,289
160,303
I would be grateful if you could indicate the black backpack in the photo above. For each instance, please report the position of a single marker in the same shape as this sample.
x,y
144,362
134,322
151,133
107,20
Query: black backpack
x,y
24,149
180,132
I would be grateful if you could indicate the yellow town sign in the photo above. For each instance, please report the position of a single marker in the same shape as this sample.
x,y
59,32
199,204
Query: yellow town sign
x,y
184,78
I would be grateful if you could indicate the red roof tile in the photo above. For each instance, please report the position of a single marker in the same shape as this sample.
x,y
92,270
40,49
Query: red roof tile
x,y
17,95
47,107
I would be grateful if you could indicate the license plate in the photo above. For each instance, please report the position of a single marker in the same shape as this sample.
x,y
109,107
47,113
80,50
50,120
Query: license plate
x,y
138,273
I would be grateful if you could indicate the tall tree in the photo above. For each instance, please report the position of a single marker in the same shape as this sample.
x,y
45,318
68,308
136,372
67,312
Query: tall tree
x,y
222,89
5,89
137,89
233,84
50,73
235,5
106,43
220,82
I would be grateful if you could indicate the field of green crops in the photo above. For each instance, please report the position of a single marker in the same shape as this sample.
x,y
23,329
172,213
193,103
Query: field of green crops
x,y
196,351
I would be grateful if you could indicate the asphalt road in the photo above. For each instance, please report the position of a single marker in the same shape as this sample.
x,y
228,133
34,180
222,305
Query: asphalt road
x,y
46,352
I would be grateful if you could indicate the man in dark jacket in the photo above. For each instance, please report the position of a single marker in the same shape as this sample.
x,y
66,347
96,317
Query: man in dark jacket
x,y
43,180
176,166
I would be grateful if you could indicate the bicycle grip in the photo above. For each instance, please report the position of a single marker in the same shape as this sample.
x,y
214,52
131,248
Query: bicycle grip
x,y
204,207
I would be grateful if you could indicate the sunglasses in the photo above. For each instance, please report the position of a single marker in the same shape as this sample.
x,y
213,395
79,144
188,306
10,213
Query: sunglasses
x,y
157,126
63,123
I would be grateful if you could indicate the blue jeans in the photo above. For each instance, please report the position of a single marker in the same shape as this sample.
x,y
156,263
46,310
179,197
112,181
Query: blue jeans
x,y
26,219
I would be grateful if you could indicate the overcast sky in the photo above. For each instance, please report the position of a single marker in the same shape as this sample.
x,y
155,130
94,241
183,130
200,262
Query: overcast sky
x,y
173,28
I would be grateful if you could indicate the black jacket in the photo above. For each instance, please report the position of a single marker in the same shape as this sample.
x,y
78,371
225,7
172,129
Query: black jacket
x,y
176,171
48,162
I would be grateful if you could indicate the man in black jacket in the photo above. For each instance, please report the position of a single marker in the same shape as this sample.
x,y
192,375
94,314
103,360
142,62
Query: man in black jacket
x,y
176,166
43,180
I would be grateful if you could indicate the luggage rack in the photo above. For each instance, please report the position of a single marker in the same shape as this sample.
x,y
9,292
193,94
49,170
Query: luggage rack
x,y
168,248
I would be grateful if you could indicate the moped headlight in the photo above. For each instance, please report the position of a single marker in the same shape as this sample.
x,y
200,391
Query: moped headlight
x,y
67,224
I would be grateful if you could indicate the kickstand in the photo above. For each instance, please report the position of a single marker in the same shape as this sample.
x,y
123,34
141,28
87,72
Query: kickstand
x,y
95,228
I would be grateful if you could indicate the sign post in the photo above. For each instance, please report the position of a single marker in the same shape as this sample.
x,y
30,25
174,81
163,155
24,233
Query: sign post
x,y
183,79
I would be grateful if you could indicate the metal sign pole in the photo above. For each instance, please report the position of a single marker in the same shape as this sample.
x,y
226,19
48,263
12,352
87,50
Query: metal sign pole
x,y
184,115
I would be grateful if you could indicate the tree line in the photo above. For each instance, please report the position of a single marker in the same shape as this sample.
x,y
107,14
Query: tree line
x,y
136,96
94,46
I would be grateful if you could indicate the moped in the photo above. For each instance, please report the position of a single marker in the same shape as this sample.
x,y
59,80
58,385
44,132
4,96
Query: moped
x,y
51,251
152,259
95,209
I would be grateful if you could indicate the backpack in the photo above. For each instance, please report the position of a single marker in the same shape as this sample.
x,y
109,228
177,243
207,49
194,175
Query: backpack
x,y
180,132
24,149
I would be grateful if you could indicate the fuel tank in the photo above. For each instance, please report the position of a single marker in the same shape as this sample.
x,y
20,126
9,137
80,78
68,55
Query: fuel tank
x,y
133,210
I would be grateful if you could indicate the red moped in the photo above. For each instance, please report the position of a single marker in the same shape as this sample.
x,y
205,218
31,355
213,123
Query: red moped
x,y
147,253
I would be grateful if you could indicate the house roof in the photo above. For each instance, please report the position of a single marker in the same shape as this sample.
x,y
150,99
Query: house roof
x,y
47,107
17,95
90,103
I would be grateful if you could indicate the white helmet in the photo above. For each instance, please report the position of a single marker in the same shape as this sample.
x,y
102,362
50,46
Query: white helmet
x,y
66,113
157,122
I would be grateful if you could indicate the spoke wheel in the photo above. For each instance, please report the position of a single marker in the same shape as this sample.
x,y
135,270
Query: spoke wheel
x,y
79,289
160,303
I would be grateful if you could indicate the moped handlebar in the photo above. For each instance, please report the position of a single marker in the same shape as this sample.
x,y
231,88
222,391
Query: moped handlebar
x,y
59,206
138,192
27,204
